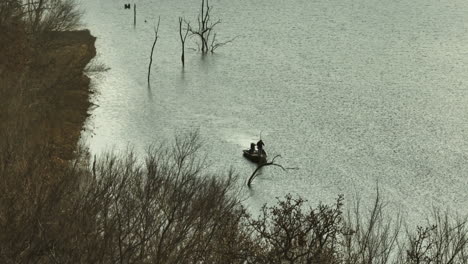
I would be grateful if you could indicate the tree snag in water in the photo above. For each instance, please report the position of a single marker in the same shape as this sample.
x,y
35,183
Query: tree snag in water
x,y
182,39
152,50
134,14
264,164
205,30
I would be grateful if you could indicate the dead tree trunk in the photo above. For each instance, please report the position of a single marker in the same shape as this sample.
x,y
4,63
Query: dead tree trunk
x,y
205,17
134,15
182,39
152,50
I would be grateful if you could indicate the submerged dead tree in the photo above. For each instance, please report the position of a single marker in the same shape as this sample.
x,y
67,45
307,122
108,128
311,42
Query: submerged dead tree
x,y
182,39
205,26
156,29
205,30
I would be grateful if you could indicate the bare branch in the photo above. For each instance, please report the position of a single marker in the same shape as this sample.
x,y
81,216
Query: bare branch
x,y
215,45
271,163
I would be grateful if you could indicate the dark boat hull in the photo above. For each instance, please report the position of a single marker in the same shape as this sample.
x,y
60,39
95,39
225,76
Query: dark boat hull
x,y
254,157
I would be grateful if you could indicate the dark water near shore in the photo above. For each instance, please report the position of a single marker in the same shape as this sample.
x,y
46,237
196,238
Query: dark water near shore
x,y
353,93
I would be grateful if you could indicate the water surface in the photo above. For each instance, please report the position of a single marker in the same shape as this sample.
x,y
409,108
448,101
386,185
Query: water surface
x,y
353,93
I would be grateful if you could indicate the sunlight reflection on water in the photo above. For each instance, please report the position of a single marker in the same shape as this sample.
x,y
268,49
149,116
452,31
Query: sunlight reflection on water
x,y
355,94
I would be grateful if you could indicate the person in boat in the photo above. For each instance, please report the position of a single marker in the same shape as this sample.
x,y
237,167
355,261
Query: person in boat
x,y
252,148
260,145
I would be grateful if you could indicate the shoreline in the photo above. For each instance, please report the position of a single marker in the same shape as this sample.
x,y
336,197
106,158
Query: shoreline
x,y
68,54
46,91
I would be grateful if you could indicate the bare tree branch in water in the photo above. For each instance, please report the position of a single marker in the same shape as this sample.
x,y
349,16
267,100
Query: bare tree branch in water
x,y
152,50
264,164
214,45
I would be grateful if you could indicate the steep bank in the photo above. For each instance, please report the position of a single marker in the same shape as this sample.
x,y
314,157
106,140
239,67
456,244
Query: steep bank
x,y
46,90
70,53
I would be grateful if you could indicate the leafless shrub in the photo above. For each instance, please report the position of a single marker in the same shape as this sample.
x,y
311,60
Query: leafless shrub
x,y
165,210
443,240
51,15
287,234
370,237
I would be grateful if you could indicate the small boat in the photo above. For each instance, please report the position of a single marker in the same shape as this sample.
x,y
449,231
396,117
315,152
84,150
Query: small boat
x,y
255,156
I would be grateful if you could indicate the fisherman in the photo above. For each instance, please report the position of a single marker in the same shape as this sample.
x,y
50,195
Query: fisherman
x,y
260,145
252,148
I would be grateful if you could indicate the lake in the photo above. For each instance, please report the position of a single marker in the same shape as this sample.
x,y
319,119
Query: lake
x,y
355,94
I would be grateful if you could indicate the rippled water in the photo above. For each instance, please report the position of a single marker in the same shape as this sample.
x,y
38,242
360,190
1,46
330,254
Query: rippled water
x,y
353,93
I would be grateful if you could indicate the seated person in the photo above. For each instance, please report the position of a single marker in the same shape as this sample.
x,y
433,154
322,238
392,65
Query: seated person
x,y
252,148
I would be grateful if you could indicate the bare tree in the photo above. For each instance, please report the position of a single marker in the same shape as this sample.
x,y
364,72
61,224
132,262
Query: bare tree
x,y
156,29
182,39
205,26
370,237
205,30
51,15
